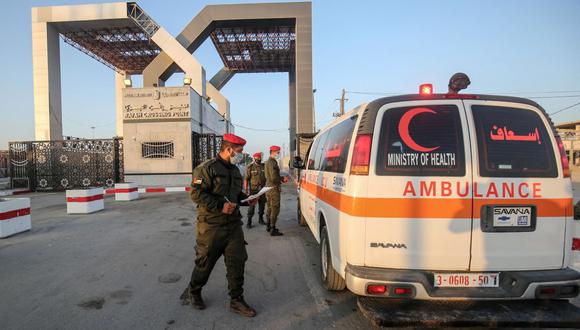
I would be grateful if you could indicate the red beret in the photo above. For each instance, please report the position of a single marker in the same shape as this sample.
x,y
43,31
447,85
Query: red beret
x,y
232,138
274,148
257,154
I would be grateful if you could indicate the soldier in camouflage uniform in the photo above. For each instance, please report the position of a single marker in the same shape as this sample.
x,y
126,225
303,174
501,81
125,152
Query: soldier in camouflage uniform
x,y
256,180
217,191
274,180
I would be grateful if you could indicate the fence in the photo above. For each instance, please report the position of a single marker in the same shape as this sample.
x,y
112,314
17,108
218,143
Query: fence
x,y
61,165
204,147
4,155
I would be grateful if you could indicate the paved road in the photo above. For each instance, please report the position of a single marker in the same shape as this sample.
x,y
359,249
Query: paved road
x,y
122,256
126,266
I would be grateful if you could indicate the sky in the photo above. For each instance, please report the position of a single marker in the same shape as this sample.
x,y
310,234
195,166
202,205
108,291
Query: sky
x,y
522,48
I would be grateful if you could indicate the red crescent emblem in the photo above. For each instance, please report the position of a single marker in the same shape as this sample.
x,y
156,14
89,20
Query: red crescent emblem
x,y
404,129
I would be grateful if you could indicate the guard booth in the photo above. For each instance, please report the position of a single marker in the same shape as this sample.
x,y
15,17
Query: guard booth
x,y
168,131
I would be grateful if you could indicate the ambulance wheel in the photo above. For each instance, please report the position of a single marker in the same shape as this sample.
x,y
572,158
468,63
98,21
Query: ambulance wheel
x,y
299,216
330,278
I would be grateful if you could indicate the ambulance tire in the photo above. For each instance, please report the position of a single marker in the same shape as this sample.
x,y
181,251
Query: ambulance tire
x,y
300,217
330,278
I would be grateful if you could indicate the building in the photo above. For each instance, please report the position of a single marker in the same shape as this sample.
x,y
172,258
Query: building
x,y
570,135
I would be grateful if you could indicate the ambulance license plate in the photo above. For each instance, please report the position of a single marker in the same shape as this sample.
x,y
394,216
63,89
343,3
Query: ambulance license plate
x,y
466,280
512,216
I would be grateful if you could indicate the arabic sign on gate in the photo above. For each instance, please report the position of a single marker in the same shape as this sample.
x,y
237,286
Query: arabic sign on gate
x,y
157,103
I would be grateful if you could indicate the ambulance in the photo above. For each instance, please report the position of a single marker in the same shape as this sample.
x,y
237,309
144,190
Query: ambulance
x,y
441,197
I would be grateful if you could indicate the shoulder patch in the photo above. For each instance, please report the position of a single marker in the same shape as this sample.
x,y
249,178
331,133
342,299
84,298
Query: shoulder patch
x,y
197,181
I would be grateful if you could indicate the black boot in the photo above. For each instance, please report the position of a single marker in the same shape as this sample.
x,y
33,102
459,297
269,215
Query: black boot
x,y
276,232
192,298
238,305
261,220
268,227
249,223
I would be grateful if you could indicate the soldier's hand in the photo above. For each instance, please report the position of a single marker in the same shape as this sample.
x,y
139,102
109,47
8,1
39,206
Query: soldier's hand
x,y
252,202
229,208
285,179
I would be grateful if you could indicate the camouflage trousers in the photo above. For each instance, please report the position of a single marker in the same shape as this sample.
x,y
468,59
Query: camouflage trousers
x,y
261,205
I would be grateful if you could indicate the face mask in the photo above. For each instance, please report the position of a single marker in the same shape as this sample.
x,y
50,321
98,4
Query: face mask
x,y
277,156
237,158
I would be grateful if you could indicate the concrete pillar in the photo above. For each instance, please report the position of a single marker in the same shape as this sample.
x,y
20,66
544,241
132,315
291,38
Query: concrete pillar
x,y
46,81
150,76
304,97
119,85
292,110
190,66
223,105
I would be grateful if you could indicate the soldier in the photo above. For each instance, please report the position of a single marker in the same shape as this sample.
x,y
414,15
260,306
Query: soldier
x,y
217,191
274,180
256,180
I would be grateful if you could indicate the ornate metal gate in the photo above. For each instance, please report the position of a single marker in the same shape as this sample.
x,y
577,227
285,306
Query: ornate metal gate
x,y
4,163
204,147
61,165
20,155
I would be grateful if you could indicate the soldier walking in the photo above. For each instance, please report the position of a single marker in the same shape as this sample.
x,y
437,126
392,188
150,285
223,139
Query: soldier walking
x,y
255,181
217,191
274,180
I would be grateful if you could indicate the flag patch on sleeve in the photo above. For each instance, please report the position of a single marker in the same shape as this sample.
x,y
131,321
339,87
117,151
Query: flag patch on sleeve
x,y
197,181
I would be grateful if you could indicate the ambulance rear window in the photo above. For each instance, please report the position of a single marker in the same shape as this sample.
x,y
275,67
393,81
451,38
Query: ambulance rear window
x,y
513,142
421,140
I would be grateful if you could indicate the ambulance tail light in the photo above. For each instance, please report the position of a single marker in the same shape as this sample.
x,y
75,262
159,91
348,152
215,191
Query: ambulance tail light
x,y
563,157
576,244
376,289
403,292
361,155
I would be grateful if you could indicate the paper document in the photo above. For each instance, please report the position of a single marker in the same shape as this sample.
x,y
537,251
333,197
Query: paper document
x,y
260,193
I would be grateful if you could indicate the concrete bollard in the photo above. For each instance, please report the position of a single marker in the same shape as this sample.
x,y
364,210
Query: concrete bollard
x,y
128,191
14,216
84,201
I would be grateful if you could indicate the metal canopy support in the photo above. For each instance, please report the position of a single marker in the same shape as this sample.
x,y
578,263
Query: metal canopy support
x,y
256,48
126,49
221,78
142,19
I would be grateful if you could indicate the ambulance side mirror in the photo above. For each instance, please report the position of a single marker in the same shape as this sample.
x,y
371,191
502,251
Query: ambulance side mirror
x,y
577,211
298,163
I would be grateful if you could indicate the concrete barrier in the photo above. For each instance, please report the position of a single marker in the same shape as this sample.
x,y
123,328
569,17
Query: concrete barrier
x,y
128,191
84,201
14,216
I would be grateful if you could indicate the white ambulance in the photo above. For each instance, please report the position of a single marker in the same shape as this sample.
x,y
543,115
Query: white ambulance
x,y
441,196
